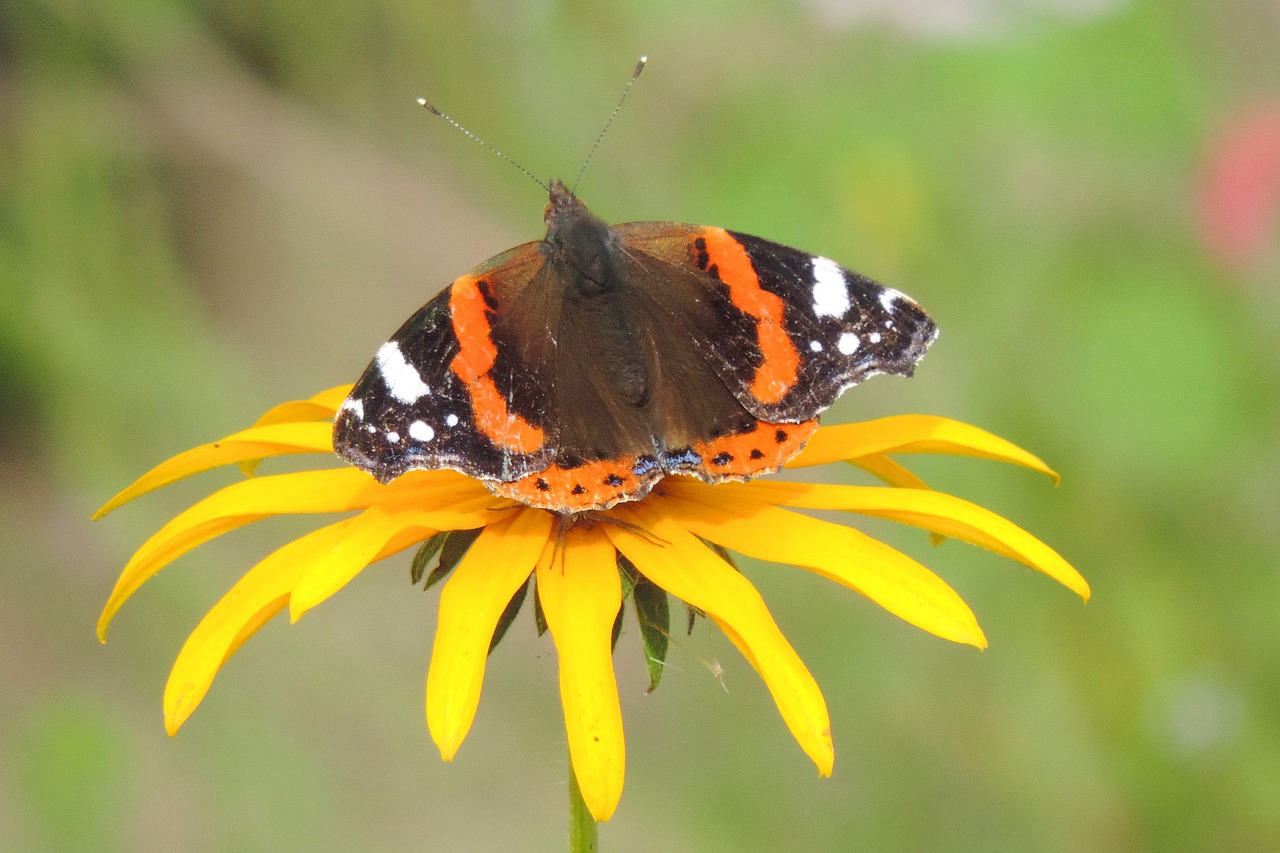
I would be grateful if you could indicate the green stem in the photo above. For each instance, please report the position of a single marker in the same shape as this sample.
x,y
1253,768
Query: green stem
x,y
582,826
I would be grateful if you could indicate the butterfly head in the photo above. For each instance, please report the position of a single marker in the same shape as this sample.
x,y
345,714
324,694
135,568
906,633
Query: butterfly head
x,y
562,201
576,237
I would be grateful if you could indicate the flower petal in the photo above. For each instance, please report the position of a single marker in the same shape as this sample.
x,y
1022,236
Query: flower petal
x,y
320,407
927,509
336,490
473,599
581,595
689,570
850,557
255,443
331,398
888,471
892,473
256,597
912,434
367,540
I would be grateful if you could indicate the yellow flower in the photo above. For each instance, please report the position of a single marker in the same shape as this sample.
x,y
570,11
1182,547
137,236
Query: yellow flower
x,y
673,538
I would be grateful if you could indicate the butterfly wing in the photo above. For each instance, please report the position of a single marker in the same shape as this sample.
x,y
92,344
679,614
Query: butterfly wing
x,y
437,395
794,331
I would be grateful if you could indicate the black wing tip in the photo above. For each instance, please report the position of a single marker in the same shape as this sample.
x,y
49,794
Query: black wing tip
x,y
353,445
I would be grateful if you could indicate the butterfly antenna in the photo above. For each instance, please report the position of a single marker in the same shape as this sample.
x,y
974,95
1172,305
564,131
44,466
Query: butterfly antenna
x,y
607,124
430,107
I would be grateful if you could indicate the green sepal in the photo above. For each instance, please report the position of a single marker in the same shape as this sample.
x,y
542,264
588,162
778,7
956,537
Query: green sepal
x,y
452,550
693,614
627,584
617,628
653,613
653,616
539,618
723,553
508,616
427,552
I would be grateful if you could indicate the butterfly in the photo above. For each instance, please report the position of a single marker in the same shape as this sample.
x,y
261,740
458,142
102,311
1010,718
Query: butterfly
x,y
576,371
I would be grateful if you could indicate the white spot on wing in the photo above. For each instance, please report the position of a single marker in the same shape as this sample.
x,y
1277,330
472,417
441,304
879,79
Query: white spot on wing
x,y
815,346
393,437
403,381
890,297
848,343
874,337
421,431
451,420
830,289
355,406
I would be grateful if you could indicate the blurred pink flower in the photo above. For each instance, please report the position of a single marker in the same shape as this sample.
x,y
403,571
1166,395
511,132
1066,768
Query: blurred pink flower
x,y
1239,204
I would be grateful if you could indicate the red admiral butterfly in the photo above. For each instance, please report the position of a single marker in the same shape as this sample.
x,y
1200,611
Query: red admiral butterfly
x,y
575,372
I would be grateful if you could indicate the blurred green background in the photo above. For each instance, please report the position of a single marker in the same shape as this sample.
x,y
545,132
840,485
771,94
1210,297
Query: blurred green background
x,y
206,208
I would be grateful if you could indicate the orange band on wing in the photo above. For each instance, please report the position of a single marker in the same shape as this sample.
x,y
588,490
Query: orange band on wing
x,y
594,485
778,369
763,450
476,354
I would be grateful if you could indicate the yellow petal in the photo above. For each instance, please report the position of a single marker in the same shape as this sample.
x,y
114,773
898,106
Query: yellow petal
x,y
336,490
368,537
139,570
675,560
255,443
321,407
332,398
581,595
912,434
894,474
850,557
259,595
888,471
927,509
473,599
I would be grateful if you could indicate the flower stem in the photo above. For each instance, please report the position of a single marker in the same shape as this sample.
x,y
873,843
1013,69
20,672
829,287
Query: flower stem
x,y
582,826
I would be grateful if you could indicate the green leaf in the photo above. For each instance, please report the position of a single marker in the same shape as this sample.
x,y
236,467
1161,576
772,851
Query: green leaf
x,y
427,552
508,616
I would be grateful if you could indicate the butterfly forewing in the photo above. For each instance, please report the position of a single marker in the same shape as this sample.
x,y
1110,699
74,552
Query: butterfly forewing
x,y
427,400
845,327
784,330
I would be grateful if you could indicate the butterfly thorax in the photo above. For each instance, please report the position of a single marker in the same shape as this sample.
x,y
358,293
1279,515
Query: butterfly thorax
x,y
582,250
580,242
